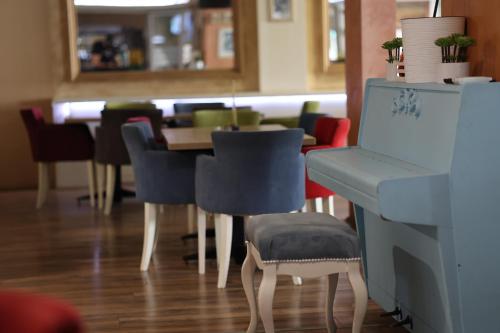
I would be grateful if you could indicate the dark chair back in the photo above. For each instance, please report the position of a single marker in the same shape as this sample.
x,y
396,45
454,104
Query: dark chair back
x,y
252,173
110,148
33,121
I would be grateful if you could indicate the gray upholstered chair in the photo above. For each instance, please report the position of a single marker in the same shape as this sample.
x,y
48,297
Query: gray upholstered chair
x,y
110,151
251,173
305,244
307,121
161,176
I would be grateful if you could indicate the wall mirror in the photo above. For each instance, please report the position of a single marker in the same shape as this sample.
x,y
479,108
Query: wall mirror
x,y
153,36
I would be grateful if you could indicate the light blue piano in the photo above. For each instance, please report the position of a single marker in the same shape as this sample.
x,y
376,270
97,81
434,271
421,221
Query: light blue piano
x,y
425,181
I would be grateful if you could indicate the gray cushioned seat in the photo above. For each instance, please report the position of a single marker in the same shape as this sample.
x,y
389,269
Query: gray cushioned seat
x,y
302,236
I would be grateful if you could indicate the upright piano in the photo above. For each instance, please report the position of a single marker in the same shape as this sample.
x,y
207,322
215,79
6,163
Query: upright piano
x,y
425,182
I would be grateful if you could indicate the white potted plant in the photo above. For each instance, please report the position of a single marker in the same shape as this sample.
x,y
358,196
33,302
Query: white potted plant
x,y
394,49
453,56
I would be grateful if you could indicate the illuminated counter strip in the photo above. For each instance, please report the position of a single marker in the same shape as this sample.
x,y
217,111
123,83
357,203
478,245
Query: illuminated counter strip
x,y
425,182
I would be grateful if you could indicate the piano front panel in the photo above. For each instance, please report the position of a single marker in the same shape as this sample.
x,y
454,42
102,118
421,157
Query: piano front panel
x,y
416,125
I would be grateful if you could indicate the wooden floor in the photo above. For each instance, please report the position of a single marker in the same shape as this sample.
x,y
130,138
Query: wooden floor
x,y
77,254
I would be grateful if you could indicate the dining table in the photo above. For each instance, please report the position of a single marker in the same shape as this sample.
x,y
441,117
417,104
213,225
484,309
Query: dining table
x,y
199,139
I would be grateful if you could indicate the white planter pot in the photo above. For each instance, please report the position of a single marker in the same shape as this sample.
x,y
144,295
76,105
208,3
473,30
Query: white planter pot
x,y
451,71
422,56
392,70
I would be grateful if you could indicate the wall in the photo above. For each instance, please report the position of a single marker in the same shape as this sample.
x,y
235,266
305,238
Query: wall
x,y
25,75
282,50
482,24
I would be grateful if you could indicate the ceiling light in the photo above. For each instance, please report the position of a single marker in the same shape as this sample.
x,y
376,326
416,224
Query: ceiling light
x,y
130,3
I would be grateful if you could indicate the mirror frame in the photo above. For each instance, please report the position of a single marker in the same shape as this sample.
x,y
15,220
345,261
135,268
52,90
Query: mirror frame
x,y
243,51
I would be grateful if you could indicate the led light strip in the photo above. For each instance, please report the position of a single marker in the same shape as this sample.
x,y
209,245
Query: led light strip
x,y
130,3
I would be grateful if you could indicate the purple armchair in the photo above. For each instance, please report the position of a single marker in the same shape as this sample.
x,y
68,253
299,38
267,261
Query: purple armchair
x,y
57,143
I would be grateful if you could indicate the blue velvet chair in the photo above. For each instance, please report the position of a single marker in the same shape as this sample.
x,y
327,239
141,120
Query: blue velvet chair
x,y
251,173
161,176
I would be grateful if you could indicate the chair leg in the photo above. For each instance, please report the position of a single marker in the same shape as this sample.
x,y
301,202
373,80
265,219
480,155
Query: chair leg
x,y
100,179
91,181
43,184
150,216
360,296
333,280
318,205
110,187
202,229
191,214
247,278
266,295
157,231
226,226
328,205
218,237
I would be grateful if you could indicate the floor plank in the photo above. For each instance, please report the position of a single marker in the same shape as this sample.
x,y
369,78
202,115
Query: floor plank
x,y
78,254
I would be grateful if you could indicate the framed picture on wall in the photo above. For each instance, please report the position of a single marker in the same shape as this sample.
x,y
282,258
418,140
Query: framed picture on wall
x,y
280,10
226,45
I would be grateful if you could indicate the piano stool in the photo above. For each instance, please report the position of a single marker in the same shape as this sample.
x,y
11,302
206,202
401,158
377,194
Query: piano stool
x,y
309,245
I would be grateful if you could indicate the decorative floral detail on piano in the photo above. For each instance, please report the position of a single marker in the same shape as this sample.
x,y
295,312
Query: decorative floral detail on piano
x,y
407,103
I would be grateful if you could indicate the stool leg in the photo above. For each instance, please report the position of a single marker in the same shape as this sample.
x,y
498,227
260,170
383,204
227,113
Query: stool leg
x,y
333,279
360,296
318,205
150,215
202,236
266,295
227,238
247,278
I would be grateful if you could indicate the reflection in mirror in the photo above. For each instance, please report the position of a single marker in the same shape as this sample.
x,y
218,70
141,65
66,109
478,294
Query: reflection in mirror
x,y
336,22
154,35
336,30
413,8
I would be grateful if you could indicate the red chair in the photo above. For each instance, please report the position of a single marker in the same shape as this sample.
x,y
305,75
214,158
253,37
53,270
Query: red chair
x,y
57,143
28,313
329,133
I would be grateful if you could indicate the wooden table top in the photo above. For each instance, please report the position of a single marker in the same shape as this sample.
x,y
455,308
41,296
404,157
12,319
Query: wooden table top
x,y
195,138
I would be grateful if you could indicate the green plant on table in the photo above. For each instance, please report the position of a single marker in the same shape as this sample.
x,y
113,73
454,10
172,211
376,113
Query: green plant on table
x,y
454,47
394,49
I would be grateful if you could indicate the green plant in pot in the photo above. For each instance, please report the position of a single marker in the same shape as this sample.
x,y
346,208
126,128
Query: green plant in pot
x,y
394,49
453,56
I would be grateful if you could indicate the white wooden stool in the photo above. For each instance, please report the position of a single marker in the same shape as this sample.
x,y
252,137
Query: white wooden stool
x,y
307,245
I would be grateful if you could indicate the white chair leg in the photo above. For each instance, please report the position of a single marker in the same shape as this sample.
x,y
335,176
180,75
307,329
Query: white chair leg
x,y
297,280
247,278
161,209
157,231
202,235
266,296
191,214
328,205
360,296
150,216
91,181
333,280
318,205
43,184
218,237
110,187
226,226
100,179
